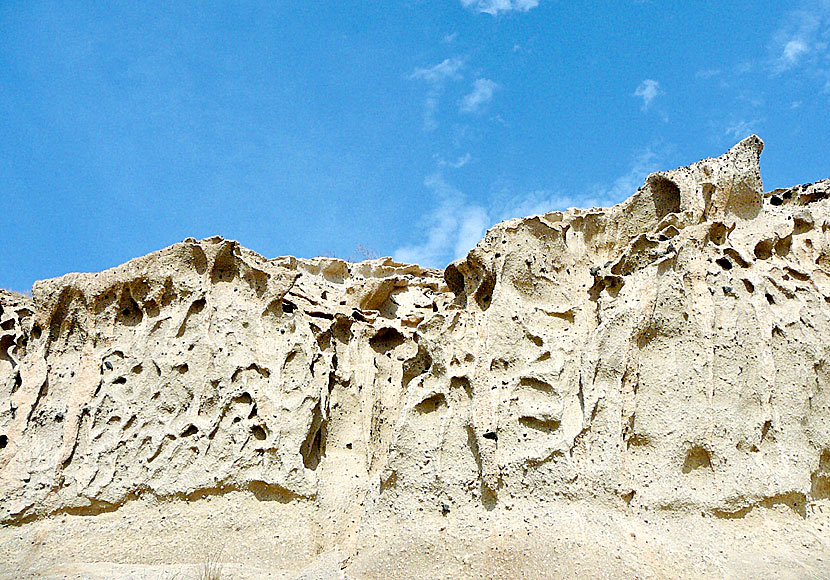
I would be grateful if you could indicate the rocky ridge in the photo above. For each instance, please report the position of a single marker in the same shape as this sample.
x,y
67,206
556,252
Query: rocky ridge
x,y
664,355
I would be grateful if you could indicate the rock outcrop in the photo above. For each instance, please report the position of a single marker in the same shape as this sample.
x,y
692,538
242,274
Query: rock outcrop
x,y
667,354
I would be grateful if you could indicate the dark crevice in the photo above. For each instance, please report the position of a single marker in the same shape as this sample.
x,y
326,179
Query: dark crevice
x,y
432,403
484,293
386,339
696,458
313,448
417,365
665,194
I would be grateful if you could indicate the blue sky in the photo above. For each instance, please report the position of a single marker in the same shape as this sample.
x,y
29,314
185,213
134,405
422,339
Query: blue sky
x,y
407,127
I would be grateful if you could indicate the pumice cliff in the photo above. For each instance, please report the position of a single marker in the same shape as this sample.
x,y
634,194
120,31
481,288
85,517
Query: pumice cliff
x,y
582,383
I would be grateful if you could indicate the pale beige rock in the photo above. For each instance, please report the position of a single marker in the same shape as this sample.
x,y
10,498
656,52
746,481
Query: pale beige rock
x,y
655,368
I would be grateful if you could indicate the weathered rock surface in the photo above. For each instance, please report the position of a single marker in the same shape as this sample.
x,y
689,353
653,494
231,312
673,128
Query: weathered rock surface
x,y
665,356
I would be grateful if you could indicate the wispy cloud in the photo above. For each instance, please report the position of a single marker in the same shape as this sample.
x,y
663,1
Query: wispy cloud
x,y
804,38
648,90
436,77
645,162
447,69
481,94
495,7
793,51
456,224
457,164
741,128
452,228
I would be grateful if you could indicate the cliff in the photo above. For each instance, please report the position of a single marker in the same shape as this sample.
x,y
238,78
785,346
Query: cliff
x,y
663,356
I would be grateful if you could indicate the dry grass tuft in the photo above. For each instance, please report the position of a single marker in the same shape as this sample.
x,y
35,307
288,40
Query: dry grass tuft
x,y
212,566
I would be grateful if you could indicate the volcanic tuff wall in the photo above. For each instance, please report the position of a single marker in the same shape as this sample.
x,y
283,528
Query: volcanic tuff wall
x,y
668,352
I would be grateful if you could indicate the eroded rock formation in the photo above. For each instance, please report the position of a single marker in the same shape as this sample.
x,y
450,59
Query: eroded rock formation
x,y
667,353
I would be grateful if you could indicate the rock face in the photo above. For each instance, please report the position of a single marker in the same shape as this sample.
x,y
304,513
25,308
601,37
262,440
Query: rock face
x,y
668,353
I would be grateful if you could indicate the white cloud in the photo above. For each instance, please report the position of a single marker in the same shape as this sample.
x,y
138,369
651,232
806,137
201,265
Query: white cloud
x,y
510,206
457,164
436,77
481,94
648,90
803,39
447,69
455,225
495,7
625,185
741,129
793,52
541,202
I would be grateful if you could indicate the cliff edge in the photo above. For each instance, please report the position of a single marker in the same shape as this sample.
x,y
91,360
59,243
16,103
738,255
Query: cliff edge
x,y
663,359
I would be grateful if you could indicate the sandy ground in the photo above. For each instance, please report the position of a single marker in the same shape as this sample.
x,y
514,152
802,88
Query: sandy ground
x,y
145,540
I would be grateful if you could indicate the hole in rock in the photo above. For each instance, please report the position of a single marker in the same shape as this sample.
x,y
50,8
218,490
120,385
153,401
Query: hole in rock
x,y
665,194
417,365
386,339
546,426
717,233
225,267
484,294
258,433
454,279
195,308
313,448
243,399
765,429
4,441
432,404
130,313
696,458
801,226
724,263
536,384
462,383
190,431
782,246
821,477
763,250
